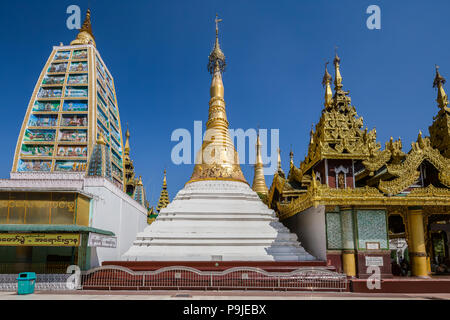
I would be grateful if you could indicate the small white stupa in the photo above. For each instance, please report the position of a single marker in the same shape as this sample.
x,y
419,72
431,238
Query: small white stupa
x,y
217,216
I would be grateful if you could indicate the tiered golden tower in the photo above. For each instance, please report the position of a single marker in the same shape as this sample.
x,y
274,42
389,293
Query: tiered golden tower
x,y
217,159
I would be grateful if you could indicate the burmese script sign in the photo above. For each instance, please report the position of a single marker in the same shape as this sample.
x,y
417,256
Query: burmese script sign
x,y
69,205
374,261
40,239
98,240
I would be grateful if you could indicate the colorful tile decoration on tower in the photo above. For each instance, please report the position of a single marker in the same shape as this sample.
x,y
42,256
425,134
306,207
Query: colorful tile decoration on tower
x,y
58,133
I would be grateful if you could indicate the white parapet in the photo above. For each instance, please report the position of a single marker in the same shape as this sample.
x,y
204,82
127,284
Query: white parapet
x,y
216,220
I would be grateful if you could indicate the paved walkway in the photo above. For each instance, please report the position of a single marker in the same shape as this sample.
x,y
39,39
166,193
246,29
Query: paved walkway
x,y
214,295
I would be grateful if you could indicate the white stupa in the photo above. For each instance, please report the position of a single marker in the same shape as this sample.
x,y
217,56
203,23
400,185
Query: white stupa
x,y
217,216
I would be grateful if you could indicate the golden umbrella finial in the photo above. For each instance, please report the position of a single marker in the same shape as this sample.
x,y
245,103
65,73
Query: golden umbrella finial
x,y
216,57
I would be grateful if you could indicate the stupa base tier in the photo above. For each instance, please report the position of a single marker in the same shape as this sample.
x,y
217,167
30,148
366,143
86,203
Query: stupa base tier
x,y
216,221
269,266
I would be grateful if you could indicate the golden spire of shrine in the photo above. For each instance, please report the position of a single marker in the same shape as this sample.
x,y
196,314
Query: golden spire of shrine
x,y
85,35
291,159
326,84
126,149
217,159
259,182
337,77
279,168
164,195
438,83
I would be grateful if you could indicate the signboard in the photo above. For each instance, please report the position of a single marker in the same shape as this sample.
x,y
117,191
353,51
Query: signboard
x,y
374,261
99,240
372,245
40,239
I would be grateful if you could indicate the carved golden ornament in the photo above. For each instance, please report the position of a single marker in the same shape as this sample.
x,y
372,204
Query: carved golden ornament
x,y
407,172
367,196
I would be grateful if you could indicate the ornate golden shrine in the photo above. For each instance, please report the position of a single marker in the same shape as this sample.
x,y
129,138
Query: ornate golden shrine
x,y
346,169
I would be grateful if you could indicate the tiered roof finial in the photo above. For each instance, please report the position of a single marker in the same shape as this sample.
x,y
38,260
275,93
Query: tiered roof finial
x,y
337,77
280,169
340,98
85,35
326,84
259,182
291,158
164,196
127,142
438,83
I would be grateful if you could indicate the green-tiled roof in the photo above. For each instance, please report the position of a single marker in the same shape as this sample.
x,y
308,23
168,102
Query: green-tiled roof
x,y
51,228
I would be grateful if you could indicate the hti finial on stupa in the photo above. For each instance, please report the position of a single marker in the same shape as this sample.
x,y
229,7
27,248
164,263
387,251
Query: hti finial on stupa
x,y
216,57
85,35
438,83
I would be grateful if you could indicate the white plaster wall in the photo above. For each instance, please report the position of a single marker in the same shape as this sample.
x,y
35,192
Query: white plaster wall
x,y
115,211
310,228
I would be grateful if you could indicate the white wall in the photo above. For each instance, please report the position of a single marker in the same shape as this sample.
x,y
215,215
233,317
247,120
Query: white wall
x,y
310,228
115,211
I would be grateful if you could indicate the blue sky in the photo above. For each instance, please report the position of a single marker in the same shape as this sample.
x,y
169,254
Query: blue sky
x,y
157,52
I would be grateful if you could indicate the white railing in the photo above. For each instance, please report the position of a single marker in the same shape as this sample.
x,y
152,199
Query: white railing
x,y
240,278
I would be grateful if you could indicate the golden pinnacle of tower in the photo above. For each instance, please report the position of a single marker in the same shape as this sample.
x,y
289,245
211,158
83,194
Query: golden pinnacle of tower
x,y
164,195
291,159
85,35
259,182
216,56
217,159
140,181
337,77
326,84
127,142
279,159
438,83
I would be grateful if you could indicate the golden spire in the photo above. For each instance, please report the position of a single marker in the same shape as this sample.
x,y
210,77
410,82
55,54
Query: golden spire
x,y
217,159
164,180
291,159
127,142
216,55
279,159
337,77
164,196
85,35
326,84
259,182
438,83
